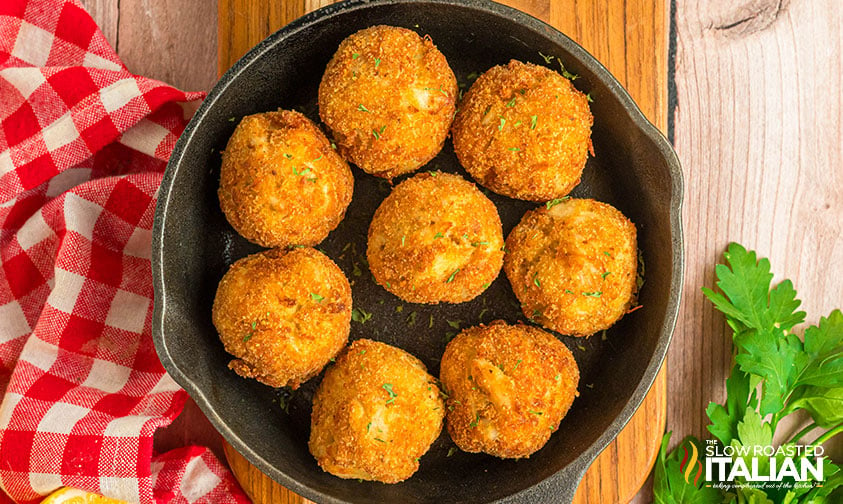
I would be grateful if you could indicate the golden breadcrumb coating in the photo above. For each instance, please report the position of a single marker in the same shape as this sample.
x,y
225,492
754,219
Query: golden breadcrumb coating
x,y
376,412
388,97
524,131
281,183
574,266
508,388
435,238
283,315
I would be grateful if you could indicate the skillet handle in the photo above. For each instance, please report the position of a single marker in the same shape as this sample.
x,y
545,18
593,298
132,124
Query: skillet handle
x,y
557,489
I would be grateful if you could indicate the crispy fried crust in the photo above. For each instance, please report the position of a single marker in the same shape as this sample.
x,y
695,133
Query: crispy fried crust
x,y
508,388
435,238
524,131
375,413
281,183
388,97
283,315
573,267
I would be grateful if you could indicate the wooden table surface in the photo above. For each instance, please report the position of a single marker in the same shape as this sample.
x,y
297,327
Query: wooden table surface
x,y
755,116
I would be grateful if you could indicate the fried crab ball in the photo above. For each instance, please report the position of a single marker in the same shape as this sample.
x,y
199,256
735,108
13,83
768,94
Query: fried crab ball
x,y
388,97
281,183
375,413
435,238
283,315
573,266
524,131
508,388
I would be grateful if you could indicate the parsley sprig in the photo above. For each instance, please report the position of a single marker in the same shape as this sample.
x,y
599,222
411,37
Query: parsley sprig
x,y
774,374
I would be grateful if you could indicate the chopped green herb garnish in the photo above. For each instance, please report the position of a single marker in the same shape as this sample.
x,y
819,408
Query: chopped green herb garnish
x,y
557,377
454,323
378,133
288,156
478,243
569,291
399,308
451,278
452,450
589,98
485,286
607,254
362,108
403,237
317,159
517,364
316,297
377,62
593,294
360,315
552,203
392,394
333,146
438,235
503,121
333,359
604,275
566,73
411,320
547,58
476,421
536,315
248,337
379,439
368,426
472,76
533,120
535,412
355,56
581,347
232,119
517,123
300,173
511,102
589,385
430,324
514,149
536,279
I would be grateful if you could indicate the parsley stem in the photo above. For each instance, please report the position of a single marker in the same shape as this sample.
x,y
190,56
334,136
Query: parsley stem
x,y
804,431
825,437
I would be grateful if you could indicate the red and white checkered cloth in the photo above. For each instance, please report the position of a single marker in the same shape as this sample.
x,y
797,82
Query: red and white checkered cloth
x,y
83,144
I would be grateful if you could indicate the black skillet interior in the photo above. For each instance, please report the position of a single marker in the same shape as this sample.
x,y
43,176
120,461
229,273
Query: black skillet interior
x,y
633,169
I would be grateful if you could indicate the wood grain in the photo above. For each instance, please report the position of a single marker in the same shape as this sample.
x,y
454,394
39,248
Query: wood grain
x,y
758,131
630,38
170,40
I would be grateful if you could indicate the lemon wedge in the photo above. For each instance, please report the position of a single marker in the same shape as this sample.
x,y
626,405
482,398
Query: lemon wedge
x,y
73,496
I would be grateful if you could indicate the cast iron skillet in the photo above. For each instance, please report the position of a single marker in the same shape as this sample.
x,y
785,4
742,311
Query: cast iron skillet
x,y
634,170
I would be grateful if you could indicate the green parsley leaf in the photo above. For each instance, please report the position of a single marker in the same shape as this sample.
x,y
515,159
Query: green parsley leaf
x,y
593,294
377,62
355,56
360,315
534,119
316,297
547,58
451,278
511,102
503,121
478,243
362,108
